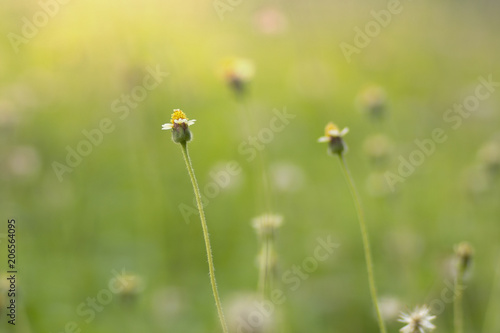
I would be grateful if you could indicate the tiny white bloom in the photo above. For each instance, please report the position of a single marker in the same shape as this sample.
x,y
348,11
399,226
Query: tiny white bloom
x,y
179,118
332,131
419,321
266,224
334,137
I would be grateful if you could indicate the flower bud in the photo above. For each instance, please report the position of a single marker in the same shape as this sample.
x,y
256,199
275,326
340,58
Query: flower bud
x,y
464,253
181,133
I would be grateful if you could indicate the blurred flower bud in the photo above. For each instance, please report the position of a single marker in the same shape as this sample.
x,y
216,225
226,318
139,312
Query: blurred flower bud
x,y
464,253
489,156
373,102
131,288
265,225
378,148
334,137
237,72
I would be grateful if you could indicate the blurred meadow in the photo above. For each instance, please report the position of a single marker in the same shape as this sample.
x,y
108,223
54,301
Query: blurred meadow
x,y
120,207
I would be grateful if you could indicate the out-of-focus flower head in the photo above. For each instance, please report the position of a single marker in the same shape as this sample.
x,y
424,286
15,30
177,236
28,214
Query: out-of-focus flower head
x,y
373,102
334,137
237,72
270,21
464,253
267,224
489,156
244,314
287,177
378,148
419,321
390,307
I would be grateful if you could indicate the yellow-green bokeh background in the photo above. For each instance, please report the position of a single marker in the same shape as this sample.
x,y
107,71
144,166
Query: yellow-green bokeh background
x,y
119,208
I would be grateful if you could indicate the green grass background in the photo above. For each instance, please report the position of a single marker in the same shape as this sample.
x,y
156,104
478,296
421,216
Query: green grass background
x,y
119,207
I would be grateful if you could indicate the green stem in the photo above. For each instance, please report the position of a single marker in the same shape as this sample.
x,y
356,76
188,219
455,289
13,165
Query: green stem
x,y
458,320
211,268
366,242
262,269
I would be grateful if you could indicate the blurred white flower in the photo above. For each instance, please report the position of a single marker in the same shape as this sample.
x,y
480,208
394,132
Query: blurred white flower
x,y
245,314
489,156
419,321
372,101
390,307
267,224
24,161
270,21
9,116
287,176
168,302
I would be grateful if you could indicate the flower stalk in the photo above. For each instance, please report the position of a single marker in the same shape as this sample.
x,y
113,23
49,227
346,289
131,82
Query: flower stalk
x,y
266,227
179,124
204,226
464,256
336,146
366,241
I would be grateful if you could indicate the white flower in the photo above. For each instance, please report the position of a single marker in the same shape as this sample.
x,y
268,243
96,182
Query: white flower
x,y
266,224
419,321
332,131
179,118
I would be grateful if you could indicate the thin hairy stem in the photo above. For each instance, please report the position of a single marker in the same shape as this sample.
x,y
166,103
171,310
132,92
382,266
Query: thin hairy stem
x,y
366,241
458,313
211,268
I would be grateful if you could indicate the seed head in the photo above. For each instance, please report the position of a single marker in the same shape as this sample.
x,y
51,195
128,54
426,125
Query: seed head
x,y
419,321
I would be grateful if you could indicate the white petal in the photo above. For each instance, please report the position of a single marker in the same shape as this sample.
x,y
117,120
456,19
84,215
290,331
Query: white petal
x,y
324,139
344,131
191,122
167,126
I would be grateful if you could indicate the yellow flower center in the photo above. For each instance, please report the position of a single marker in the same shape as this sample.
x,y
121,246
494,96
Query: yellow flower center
x,y
178,114
330,127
